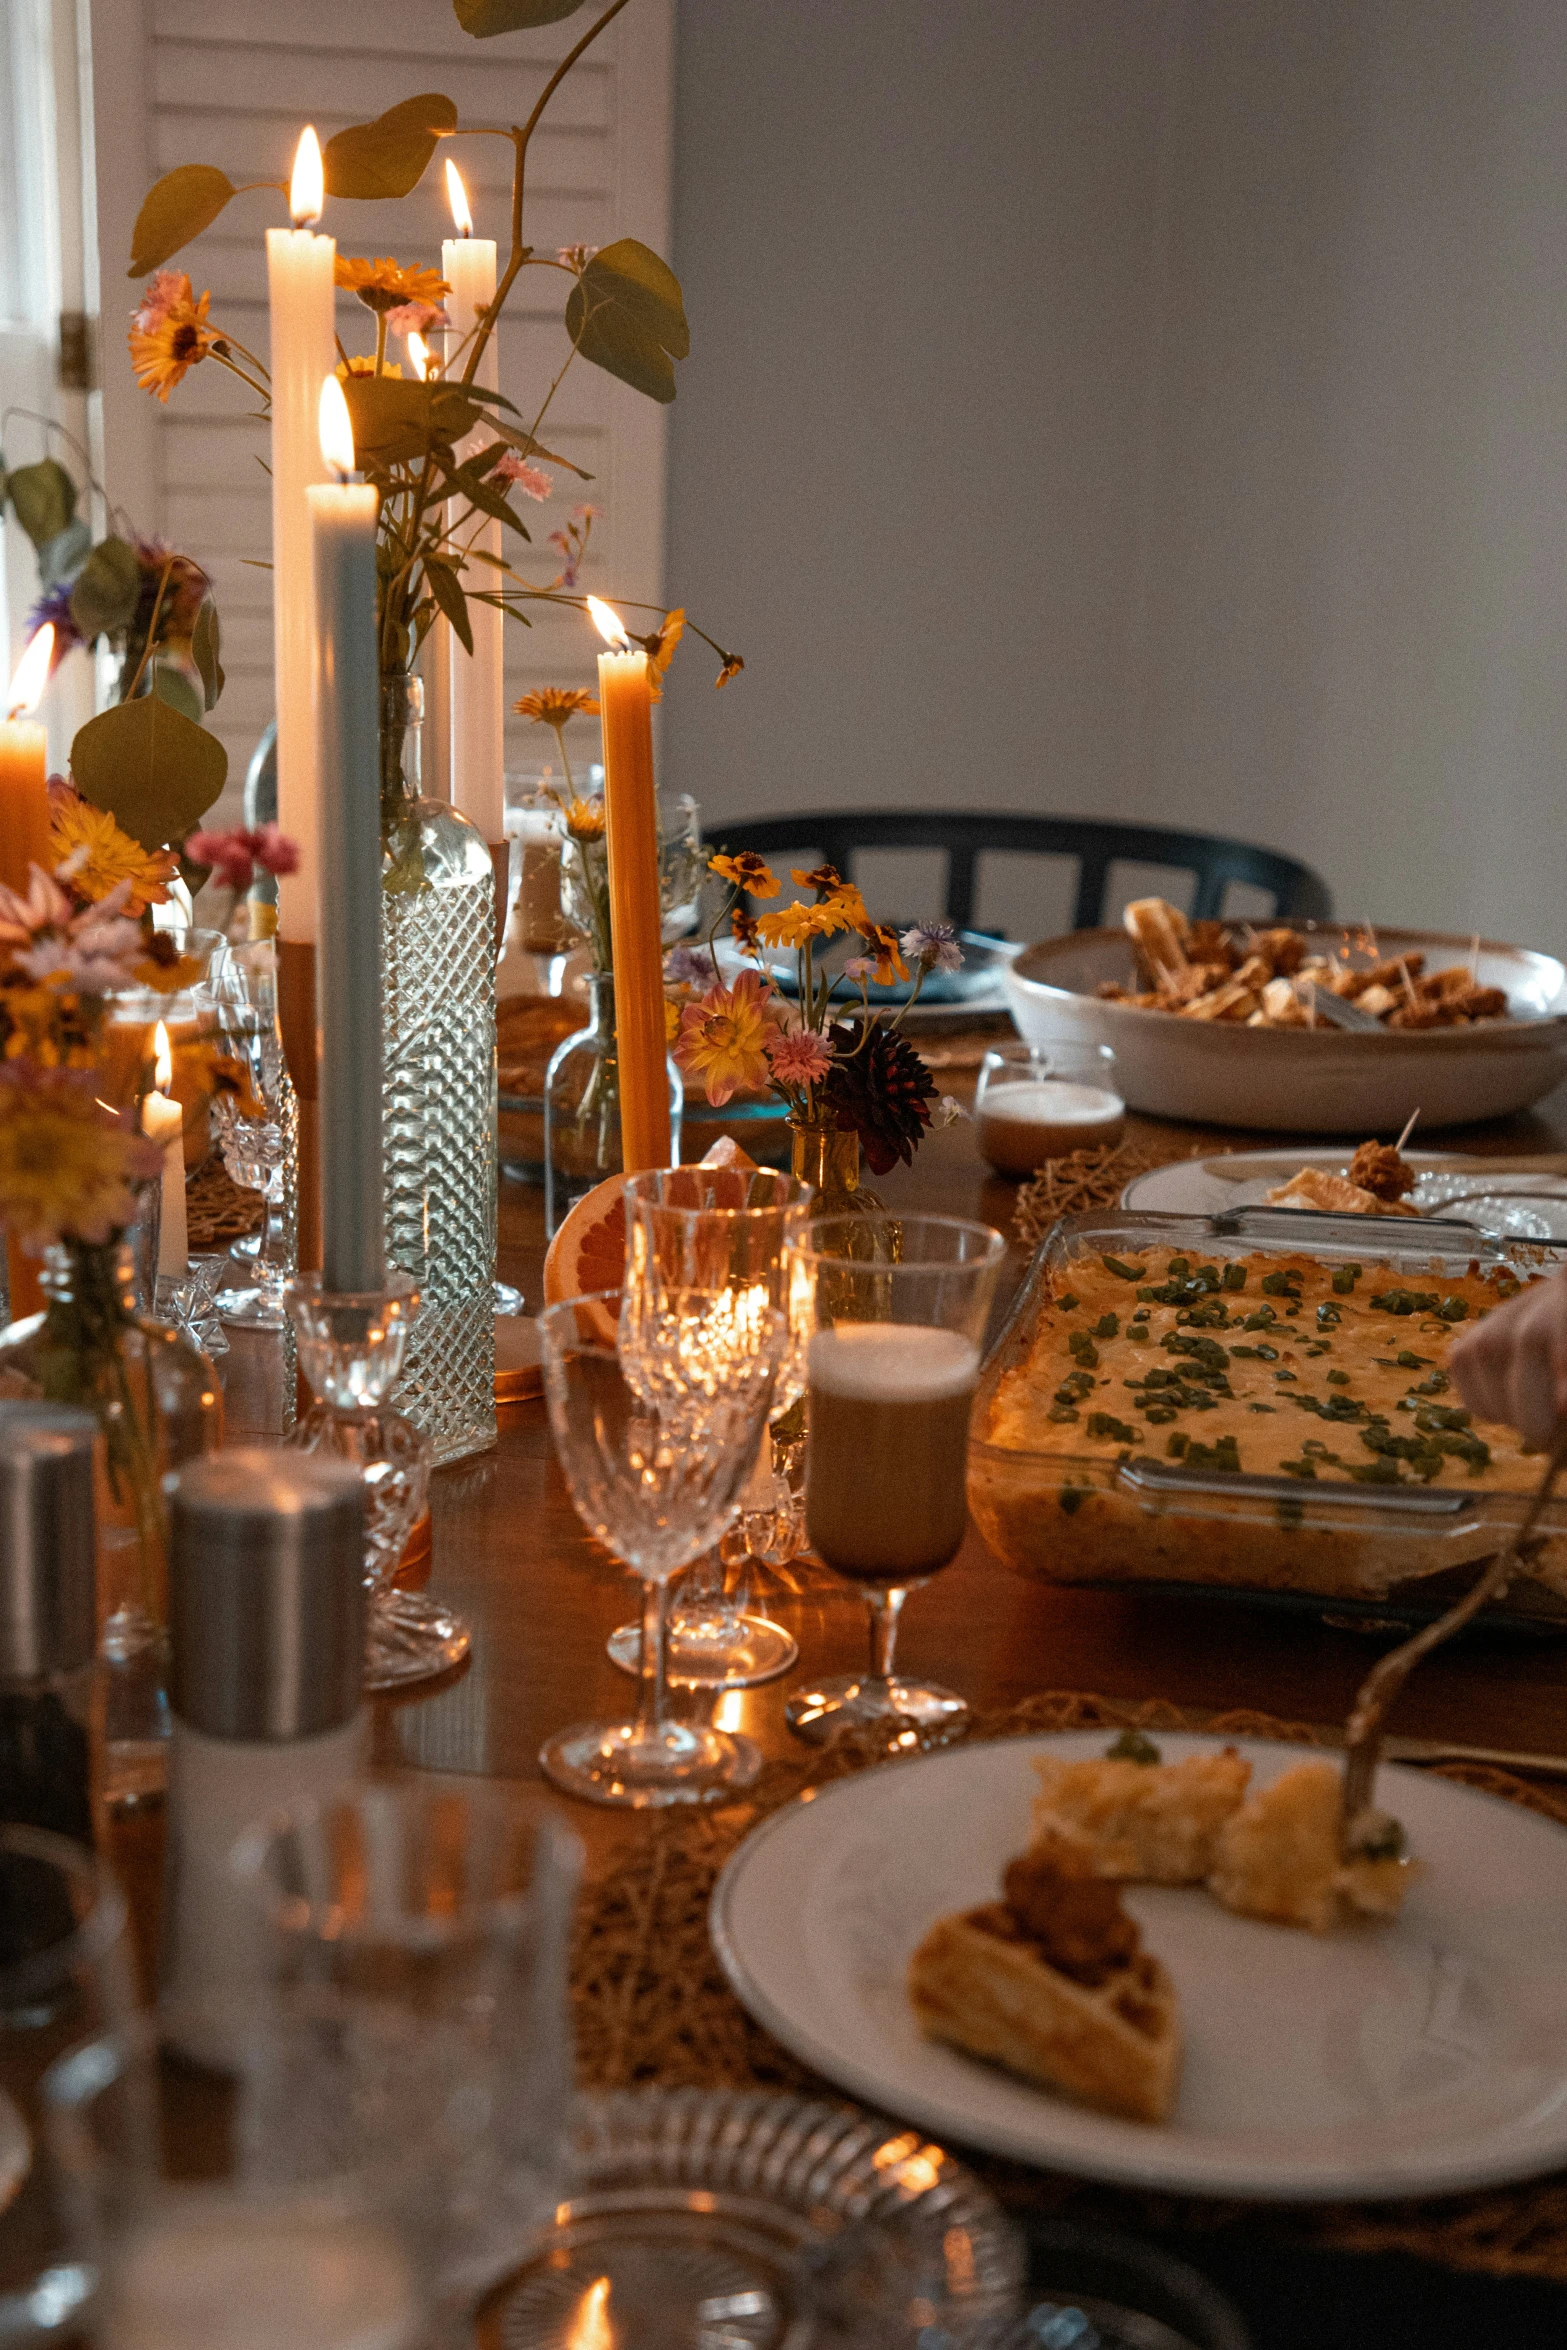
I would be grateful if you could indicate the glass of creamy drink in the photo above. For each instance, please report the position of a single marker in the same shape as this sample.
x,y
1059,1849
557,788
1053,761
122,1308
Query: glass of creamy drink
x,y
1038,1102
895,1310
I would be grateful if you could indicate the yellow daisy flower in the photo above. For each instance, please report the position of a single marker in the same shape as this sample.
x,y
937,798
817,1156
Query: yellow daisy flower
x,y
65,1167
552,705
794,926
92,855
359,365
585,819
747,871
386,284
661,648
177,339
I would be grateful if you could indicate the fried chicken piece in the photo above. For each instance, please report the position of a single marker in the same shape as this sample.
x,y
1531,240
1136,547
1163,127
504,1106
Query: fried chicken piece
x,y
1161,934
1285,951
1378,1000
1377,1167
1071,1914
1479,1003
1211,943
1281,1007
1233,1001
1424,1016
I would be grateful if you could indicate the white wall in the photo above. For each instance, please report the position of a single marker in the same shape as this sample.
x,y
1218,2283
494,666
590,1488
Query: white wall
x,y
1144,407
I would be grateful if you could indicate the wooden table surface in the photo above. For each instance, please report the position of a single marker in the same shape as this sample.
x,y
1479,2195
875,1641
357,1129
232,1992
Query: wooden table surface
x,y
510,1553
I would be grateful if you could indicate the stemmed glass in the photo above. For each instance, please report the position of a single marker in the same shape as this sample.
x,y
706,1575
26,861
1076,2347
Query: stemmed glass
x,y
254,1149
657,1414
892,1364
710,1228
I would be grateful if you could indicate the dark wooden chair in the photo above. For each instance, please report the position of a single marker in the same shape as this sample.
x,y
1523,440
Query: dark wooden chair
x,y
838,834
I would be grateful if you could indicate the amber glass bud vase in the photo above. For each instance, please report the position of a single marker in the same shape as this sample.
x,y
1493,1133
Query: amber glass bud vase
x,y
827,1156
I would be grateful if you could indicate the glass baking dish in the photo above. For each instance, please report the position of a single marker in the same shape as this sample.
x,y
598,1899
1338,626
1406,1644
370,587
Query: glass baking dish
x,y
1401,1552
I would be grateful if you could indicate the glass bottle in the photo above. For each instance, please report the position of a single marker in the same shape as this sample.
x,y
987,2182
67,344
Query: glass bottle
x,y
827,1156
582,1108
157,1403
438,1134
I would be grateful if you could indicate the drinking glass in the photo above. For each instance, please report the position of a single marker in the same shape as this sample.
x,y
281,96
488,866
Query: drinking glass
x,y
1037,1102
718,1228
258,2175
254,1149
657,1414
892,1363
65,1970
450,1905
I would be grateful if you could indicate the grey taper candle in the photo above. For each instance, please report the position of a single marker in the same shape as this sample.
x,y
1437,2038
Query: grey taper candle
x,y
348,948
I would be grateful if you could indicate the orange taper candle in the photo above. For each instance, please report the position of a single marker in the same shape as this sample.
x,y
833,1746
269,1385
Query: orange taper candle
x,y
24,770
635,923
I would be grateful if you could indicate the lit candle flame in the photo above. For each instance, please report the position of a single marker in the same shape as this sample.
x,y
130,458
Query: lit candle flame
x,y
307,188
591,2329
163,1059
418,354
32,672
337,431
609,625
457,198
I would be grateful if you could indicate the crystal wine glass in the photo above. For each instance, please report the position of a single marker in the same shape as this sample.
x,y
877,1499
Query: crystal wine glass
x,y
892,1364
255,1148
450,1904
657,1415
351,1354
709,1228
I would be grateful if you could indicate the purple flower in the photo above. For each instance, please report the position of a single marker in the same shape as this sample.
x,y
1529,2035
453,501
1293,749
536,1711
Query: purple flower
x,y
532,480
690,967
860,967
54,611
570,557
935,945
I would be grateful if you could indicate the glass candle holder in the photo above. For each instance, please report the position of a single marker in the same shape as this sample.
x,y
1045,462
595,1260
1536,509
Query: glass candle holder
x,y
351,1353
1038,1102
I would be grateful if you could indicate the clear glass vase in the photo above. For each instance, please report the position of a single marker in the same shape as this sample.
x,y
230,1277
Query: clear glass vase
x,y
582,1108
156,1398
438,1134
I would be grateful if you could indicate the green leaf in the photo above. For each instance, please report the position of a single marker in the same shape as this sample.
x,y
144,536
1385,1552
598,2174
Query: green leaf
x,y
395,419
488,496
625,313
447,591
108,589
153,770
206,652
43,499
527,446
485,18
171,682
61,557
183,203
388,157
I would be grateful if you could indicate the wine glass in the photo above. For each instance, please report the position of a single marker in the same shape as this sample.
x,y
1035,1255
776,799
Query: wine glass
x,y
710,1228
892,1363
657,1414
451,1904
65,1970
254,1148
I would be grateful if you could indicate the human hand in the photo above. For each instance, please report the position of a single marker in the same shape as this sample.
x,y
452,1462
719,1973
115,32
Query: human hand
x,y
1513,1365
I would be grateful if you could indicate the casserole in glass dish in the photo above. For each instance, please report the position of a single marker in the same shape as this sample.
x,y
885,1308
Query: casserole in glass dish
x,y
1257,1402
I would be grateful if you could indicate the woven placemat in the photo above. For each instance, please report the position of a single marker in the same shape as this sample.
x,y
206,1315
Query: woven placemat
x,y
1081,1180
652,2006
217,1211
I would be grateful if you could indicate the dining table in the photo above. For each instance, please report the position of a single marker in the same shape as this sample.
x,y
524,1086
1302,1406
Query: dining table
x,y
509,1552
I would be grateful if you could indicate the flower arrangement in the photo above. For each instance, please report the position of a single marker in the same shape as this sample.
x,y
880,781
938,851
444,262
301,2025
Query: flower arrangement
x,y
827,1060
444,452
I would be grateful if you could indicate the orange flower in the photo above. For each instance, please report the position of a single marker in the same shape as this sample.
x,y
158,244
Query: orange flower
x,y
724,1035
552,705
386,284
175,339
747,871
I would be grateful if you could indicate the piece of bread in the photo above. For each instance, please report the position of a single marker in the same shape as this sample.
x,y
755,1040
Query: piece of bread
x,y
1116,2045
1335,1195
1154,1823
1278,1857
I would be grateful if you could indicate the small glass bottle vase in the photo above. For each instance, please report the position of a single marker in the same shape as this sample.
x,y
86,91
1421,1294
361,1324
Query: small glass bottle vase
x,y
438,1129
582,1108
156,1399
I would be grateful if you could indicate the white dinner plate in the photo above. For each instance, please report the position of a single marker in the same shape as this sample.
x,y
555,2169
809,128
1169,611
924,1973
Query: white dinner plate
x,y
1410,2058
1519,1207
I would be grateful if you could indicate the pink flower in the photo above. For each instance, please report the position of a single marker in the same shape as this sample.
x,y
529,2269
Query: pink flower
x,y
532,480
234,856
416,318
166,291
93,949
800,1059
586,513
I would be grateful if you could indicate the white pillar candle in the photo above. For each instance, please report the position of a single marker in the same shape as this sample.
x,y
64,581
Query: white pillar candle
x,y
342,518
478,683
304,349
163,1122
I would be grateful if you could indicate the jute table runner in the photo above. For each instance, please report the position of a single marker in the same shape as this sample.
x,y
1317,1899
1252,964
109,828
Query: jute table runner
x,y
652,2007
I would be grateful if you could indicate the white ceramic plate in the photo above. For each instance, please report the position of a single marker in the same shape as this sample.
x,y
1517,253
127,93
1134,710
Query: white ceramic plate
x,y
1298,1080
1407,2059
1519,1207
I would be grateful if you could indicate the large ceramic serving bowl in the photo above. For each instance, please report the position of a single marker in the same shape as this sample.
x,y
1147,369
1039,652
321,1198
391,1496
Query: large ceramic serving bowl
x,y
1310,1081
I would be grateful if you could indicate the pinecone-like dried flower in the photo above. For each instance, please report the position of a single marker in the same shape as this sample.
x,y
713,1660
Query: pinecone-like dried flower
x,y
881,1088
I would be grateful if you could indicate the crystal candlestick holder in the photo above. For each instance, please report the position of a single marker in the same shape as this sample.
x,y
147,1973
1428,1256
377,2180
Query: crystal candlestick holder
x,y
351,1353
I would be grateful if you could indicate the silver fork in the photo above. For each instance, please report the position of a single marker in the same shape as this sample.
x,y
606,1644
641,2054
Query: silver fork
x,y
1362,1829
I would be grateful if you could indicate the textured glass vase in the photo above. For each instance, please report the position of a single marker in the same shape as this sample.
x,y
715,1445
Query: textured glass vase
x,y
438,1130
582,1108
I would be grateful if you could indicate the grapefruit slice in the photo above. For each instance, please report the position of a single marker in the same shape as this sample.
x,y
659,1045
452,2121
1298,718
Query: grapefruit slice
x,y
589,1250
